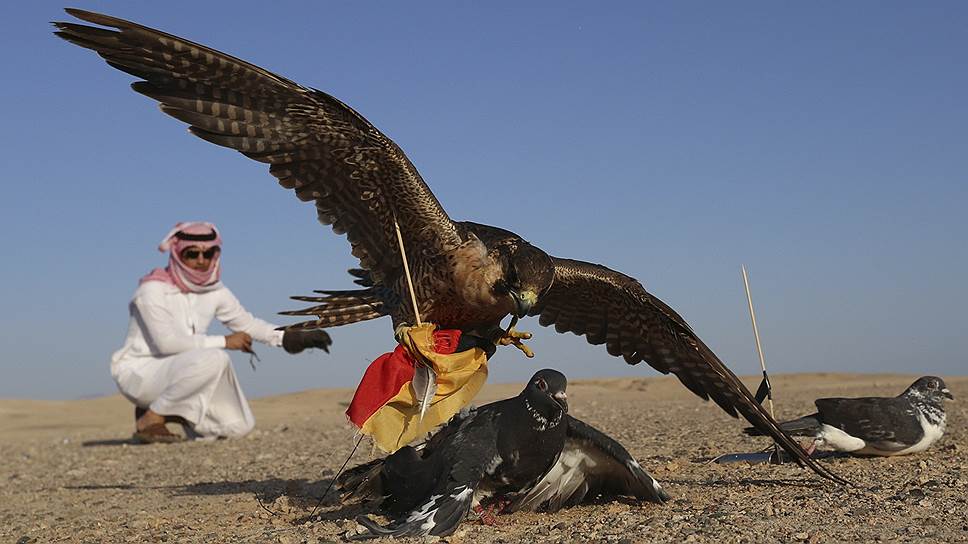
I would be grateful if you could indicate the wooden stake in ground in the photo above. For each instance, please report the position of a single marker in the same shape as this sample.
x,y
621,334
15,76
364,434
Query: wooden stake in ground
x,y
759,347
765,389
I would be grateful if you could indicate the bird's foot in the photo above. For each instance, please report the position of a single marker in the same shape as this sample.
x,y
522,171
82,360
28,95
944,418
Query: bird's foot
x,y
487,515
400,332
515,338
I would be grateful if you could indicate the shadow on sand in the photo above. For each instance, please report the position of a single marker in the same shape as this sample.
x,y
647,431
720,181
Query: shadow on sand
x,y
302,494
111,442
303,498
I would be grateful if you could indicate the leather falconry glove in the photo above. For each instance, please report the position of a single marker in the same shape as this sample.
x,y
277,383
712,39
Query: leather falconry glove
x,y
295,341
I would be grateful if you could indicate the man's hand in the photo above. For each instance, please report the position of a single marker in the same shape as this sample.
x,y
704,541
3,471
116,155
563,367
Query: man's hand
x,y
238,340
295,340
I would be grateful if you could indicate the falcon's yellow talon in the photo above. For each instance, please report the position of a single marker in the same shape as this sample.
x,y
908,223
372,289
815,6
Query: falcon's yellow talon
x,y
400,332
513,337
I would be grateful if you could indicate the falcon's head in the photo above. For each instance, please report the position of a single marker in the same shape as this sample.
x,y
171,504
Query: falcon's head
x,y
545,396
931,388
528,274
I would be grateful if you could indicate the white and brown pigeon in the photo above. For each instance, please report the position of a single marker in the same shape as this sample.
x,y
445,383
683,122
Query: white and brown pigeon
x,y
908,423
522,453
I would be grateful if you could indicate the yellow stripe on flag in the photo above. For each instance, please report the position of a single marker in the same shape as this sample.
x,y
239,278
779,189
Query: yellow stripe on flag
x,y
459,377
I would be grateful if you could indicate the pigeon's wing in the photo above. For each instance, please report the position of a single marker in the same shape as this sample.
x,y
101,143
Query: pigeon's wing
x,y
608,307
591,465
888,424
313,143
462,460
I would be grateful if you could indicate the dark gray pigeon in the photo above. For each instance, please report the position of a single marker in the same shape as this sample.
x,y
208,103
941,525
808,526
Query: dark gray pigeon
x,y
522,453
907,423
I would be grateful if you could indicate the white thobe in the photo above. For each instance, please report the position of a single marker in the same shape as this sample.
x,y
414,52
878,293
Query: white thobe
x,y
170,365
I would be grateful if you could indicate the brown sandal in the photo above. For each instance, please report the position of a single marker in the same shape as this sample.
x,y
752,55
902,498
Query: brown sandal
x,y
138,412
156,434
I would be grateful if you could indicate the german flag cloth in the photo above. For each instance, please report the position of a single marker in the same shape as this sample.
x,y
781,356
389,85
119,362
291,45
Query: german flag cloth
x,y
385,405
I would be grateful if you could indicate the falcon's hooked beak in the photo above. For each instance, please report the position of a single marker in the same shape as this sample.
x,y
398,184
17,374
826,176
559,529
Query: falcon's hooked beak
x,y
562,399
523,302
947,393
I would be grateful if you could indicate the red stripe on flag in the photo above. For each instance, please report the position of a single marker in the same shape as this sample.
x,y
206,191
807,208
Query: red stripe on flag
x,y
387,374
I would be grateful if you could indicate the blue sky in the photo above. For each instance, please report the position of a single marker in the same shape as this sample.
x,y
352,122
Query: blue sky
x,y
823,144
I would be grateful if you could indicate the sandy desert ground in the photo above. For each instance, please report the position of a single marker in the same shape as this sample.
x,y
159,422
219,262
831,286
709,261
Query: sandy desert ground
x,y
70,474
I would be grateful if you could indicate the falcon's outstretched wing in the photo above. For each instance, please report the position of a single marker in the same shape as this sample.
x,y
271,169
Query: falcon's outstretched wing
x,y
314,144
608,307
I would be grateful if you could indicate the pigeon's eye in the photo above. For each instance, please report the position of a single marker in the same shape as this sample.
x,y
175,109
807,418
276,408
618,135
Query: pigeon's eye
x,y
542,385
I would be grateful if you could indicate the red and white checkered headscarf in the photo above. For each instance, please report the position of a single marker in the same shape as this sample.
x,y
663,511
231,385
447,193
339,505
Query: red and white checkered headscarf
x,y
200,234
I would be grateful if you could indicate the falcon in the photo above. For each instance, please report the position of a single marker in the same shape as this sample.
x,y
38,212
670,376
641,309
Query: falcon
x,y
466,275
884,426
522,453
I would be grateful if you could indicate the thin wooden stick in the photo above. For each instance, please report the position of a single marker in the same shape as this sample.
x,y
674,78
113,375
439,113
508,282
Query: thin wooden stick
x,y
331,482
756,335
431,387
406,269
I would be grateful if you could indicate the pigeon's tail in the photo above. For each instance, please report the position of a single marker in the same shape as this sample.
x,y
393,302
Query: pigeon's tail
x,y
437,516
804,426
399,482
407,479
362,482
335,308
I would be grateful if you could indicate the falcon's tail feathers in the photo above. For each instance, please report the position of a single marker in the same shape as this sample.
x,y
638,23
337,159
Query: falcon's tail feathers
x,y
804,426
362,276
336,308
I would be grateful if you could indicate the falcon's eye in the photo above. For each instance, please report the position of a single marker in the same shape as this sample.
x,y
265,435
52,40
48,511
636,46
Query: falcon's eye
x,y
542,385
